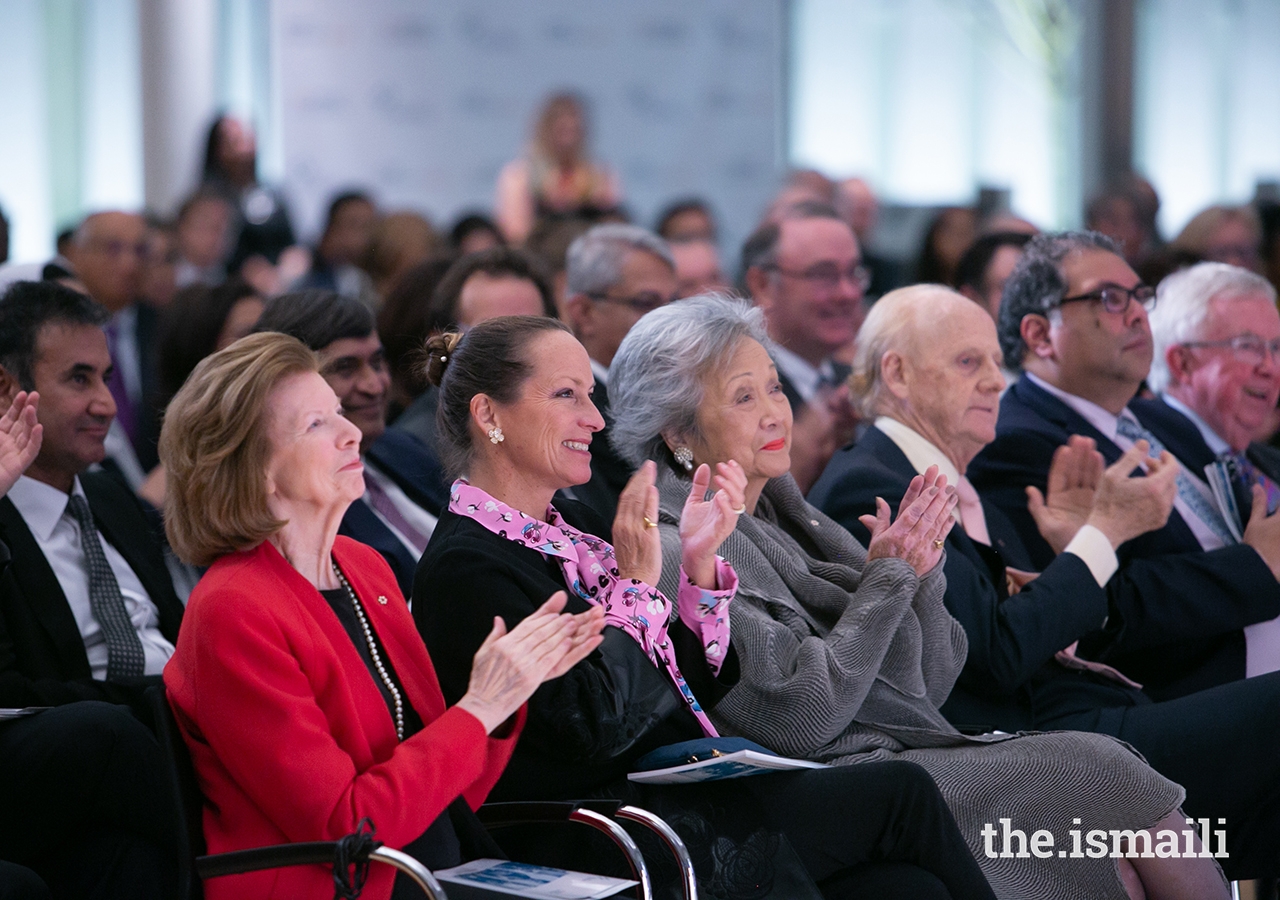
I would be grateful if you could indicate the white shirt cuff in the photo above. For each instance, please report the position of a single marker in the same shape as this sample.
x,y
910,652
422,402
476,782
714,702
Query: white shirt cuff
x,y
1092,546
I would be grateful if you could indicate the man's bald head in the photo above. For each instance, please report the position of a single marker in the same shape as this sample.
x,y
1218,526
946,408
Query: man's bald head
x,y
900,321
107,252
929,358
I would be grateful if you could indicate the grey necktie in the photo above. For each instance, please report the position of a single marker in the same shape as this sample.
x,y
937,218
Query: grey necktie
x,y
1204,508
124,648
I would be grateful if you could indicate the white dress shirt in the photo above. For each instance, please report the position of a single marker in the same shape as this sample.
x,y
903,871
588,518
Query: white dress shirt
x,y
1105,422
1090,544
44,509
414,514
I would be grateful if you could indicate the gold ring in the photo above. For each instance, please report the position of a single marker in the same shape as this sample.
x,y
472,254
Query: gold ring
x,y
740,510
649,523
938,544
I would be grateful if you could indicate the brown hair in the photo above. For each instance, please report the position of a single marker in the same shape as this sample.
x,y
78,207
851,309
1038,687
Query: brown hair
x,y
489,359
215,447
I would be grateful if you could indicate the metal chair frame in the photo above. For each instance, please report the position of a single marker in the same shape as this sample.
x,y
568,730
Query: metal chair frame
x,y
195,868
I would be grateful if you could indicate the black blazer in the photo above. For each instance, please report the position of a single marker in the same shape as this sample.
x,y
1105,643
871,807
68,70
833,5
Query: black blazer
x,y
586,728
42,656
1177,611
609,471
1010,680
418,473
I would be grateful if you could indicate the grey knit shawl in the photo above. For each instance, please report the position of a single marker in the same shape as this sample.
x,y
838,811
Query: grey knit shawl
x,y
838,658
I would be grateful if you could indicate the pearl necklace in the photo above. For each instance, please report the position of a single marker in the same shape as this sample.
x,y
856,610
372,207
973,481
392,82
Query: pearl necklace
x,y
373,652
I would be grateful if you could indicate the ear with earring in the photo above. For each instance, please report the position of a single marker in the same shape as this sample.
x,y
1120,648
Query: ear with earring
x,y
684,456
496,436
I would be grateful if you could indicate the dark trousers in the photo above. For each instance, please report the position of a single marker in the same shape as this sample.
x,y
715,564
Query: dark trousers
x,y
84,805
878,829
1222,745
20,883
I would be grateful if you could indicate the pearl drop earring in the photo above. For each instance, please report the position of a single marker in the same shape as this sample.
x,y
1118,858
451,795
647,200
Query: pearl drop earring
x,y
684,456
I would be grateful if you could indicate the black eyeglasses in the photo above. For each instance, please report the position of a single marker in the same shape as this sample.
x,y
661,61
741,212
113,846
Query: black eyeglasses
x,y
1248,348
643,303
1115,299
828,275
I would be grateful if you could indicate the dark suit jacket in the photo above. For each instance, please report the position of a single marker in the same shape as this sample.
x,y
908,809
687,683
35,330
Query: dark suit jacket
x,y
1188,445
42,656
417,472
1176,610
1010,679
609,471
586,728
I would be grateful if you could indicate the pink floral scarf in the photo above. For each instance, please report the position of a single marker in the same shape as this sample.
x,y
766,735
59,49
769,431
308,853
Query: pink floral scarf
x,y
590,569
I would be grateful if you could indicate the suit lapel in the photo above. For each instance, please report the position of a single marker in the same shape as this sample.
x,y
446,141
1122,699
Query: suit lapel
x,y
1054,410
40,590
890,454
1179,434
406,461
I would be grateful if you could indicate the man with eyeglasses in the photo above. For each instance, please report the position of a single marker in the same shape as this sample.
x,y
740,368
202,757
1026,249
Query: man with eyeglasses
x,y
108,254
615,274
1074,319
1217,362
804,270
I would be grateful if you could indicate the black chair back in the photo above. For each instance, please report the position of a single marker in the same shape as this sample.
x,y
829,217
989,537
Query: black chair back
x,y
186,790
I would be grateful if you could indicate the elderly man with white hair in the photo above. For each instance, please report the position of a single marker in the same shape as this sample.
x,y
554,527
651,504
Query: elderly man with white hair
x,y
928,371
1074,321
1217,362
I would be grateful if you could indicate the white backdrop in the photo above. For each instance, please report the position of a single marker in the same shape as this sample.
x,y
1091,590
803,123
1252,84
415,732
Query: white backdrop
x,y
424,102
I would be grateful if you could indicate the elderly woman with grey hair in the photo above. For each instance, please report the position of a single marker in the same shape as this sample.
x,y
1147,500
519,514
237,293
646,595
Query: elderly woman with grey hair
x,y
846,652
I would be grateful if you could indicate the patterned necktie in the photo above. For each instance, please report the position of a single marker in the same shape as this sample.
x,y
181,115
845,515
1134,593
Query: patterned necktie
x,y
1203,508
124,648
382,502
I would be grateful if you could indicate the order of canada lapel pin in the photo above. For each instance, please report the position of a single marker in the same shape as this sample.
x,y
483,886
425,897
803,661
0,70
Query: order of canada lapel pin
x,y
382,598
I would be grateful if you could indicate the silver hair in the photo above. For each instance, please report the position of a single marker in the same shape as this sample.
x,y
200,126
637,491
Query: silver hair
x,y
888,324
656,382
594,261
1182,306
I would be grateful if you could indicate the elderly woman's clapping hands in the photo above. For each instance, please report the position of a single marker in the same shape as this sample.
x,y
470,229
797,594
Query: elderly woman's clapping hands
x,y
924,519
704,523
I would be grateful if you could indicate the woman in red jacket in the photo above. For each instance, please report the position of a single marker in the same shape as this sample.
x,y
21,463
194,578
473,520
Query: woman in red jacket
x,y
299,682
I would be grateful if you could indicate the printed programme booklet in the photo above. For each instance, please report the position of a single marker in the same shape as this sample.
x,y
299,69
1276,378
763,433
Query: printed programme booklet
x,y
491,877
729,765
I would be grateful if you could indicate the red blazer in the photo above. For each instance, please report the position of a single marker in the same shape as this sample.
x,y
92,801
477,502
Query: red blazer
x,y
290,737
